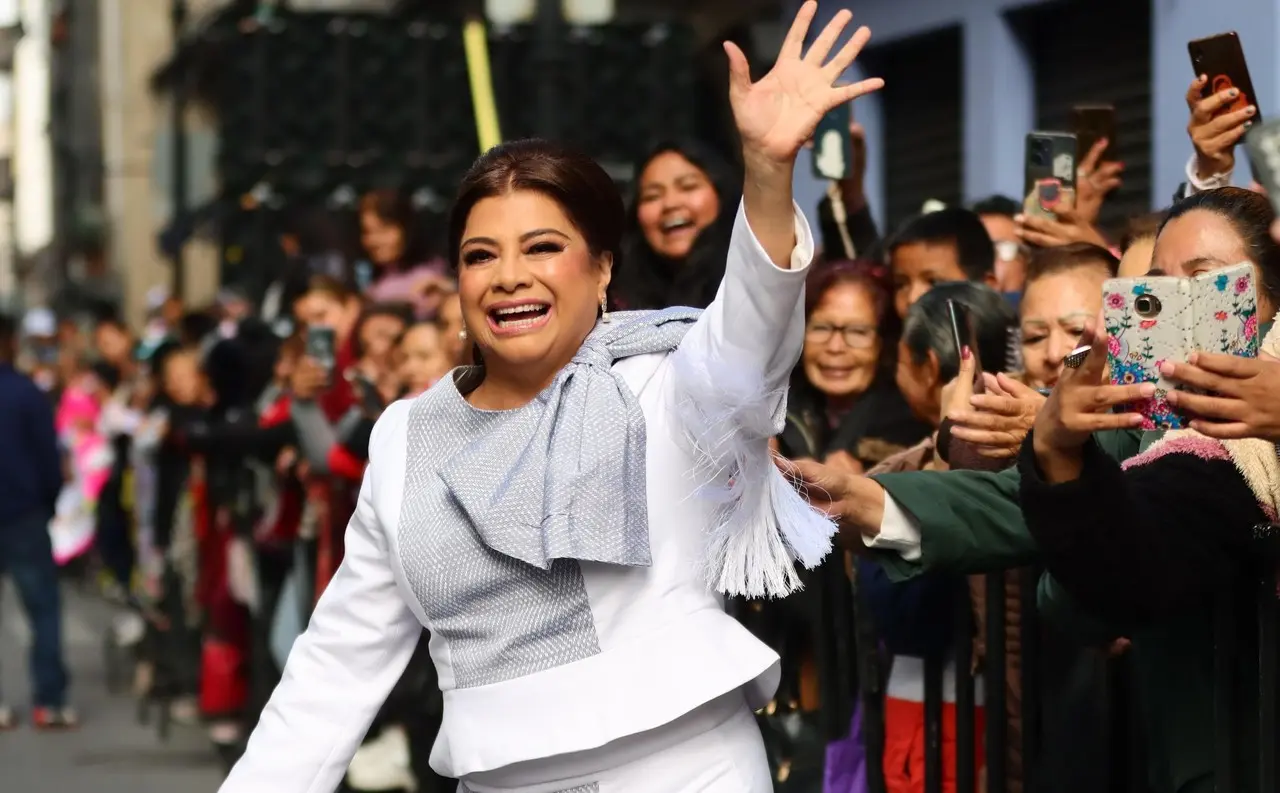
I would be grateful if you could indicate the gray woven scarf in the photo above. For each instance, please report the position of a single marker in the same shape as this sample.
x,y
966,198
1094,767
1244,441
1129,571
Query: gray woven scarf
x,y
564,476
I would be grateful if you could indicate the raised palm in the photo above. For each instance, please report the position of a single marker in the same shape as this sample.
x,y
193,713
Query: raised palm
x,y
776,115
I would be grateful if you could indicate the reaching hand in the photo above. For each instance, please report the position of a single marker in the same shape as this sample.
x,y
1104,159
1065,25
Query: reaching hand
x,y
1069,226
1243,404
1080,405
853,501
776,115
1094,181
996,422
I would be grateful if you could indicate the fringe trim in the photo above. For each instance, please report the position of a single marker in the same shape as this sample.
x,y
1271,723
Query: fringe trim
x,y
763,528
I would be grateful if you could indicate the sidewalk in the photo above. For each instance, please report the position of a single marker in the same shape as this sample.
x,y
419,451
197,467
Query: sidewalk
x,y
111,753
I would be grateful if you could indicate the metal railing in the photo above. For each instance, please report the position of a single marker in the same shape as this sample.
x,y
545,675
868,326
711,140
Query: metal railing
x,y
1239,766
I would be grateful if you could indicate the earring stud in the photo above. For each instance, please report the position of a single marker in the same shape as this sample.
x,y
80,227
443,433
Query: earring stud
x,y
604,310
462,335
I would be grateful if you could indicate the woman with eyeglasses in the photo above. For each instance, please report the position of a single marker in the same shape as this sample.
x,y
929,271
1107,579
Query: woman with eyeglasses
x,y
844,405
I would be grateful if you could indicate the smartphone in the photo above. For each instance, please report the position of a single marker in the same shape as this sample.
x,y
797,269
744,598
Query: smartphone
x,y
832,148
1152,319
1050,173
1222,58
321,346
1091,124
1262,142
964,335
954,452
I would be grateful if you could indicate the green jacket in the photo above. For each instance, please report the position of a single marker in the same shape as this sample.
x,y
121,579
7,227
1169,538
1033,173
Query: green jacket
x,y
971,523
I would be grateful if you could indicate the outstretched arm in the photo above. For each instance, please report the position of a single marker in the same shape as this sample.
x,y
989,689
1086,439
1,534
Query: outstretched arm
x,y
755,326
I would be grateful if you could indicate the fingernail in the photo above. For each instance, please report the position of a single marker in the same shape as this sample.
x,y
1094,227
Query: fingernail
x,y
966,353
1166,368
1148,390
1251,110
1248,125
1233,92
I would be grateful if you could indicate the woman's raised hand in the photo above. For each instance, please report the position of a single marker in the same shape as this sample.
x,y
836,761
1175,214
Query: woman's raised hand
x,y
777,114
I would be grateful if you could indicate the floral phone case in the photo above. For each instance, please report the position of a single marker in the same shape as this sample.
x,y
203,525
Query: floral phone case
x,y
1154,319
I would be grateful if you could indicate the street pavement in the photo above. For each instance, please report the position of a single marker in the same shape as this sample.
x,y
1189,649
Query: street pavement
x,y
111,752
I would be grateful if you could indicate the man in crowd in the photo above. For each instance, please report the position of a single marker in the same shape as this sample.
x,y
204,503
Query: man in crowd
x,y
30,478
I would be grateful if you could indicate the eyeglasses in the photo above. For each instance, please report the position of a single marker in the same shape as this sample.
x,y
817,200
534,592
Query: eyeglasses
x,y
859,337
1008,250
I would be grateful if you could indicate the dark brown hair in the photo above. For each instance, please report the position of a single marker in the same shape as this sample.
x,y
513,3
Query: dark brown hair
x,y
573,180
871,276
1251,215
1064,258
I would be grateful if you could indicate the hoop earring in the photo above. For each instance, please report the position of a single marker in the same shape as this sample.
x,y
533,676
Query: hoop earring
x,y
604,310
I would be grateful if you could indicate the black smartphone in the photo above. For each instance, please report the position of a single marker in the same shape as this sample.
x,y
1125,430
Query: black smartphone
x,y
1049,173
1092,123
832,155
1221,58
1262,142
964,335
321,346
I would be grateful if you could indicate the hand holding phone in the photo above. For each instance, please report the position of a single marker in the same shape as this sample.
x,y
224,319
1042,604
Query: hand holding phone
x,y
1221,101
954,451
1097,169
1050,173
1156,319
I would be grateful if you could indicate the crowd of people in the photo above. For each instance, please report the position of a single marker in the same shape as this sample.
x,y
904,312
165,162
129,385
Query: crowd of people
x,y
205,470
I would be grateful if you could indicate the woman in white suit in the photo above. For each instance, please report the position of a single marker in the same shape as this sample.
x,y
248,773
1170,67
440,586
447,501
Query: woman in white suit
x,y
562,515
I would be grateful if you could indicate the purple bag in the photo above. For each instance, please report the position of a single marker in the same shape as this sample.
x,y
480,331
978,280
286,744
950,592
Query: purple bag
x,y
845,770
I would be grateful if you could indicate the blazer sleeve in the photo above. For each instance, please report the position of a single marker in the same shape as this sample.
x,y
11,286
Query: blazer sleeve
x,y
748,340
340,671
970,522
1139,545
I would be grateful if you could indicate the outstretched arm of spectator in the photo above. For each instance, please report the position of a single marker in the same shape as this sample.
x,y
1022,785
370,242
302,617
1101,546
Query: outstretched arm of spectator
x,y
315,435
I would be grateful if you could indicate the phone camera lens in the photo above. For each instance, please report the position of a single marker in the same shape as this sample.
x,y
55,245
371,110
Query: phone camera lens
x,y
1147,306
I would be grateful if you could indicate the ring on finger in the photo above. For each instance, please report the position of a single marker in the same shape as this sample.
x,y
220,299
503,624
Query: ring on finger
x,y
1076,358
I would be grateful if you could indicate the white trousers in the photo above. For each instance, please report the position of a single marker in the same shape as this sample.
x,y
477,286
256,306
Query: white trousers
x,y
715,749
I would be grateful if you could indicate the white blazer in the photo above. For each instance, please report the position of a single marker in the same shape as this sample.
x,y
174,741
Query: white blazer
x,y
533,663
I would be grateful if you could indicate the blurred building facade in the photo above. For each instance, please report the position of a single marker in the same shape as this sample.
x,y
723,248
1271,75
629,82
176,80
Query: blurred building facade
x,y
89,111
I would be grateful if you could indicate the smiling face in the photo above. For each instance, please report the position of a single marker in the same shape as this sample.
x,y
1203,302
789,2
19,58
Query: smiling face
x,y
529,286
846,313
1054,309
677,201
